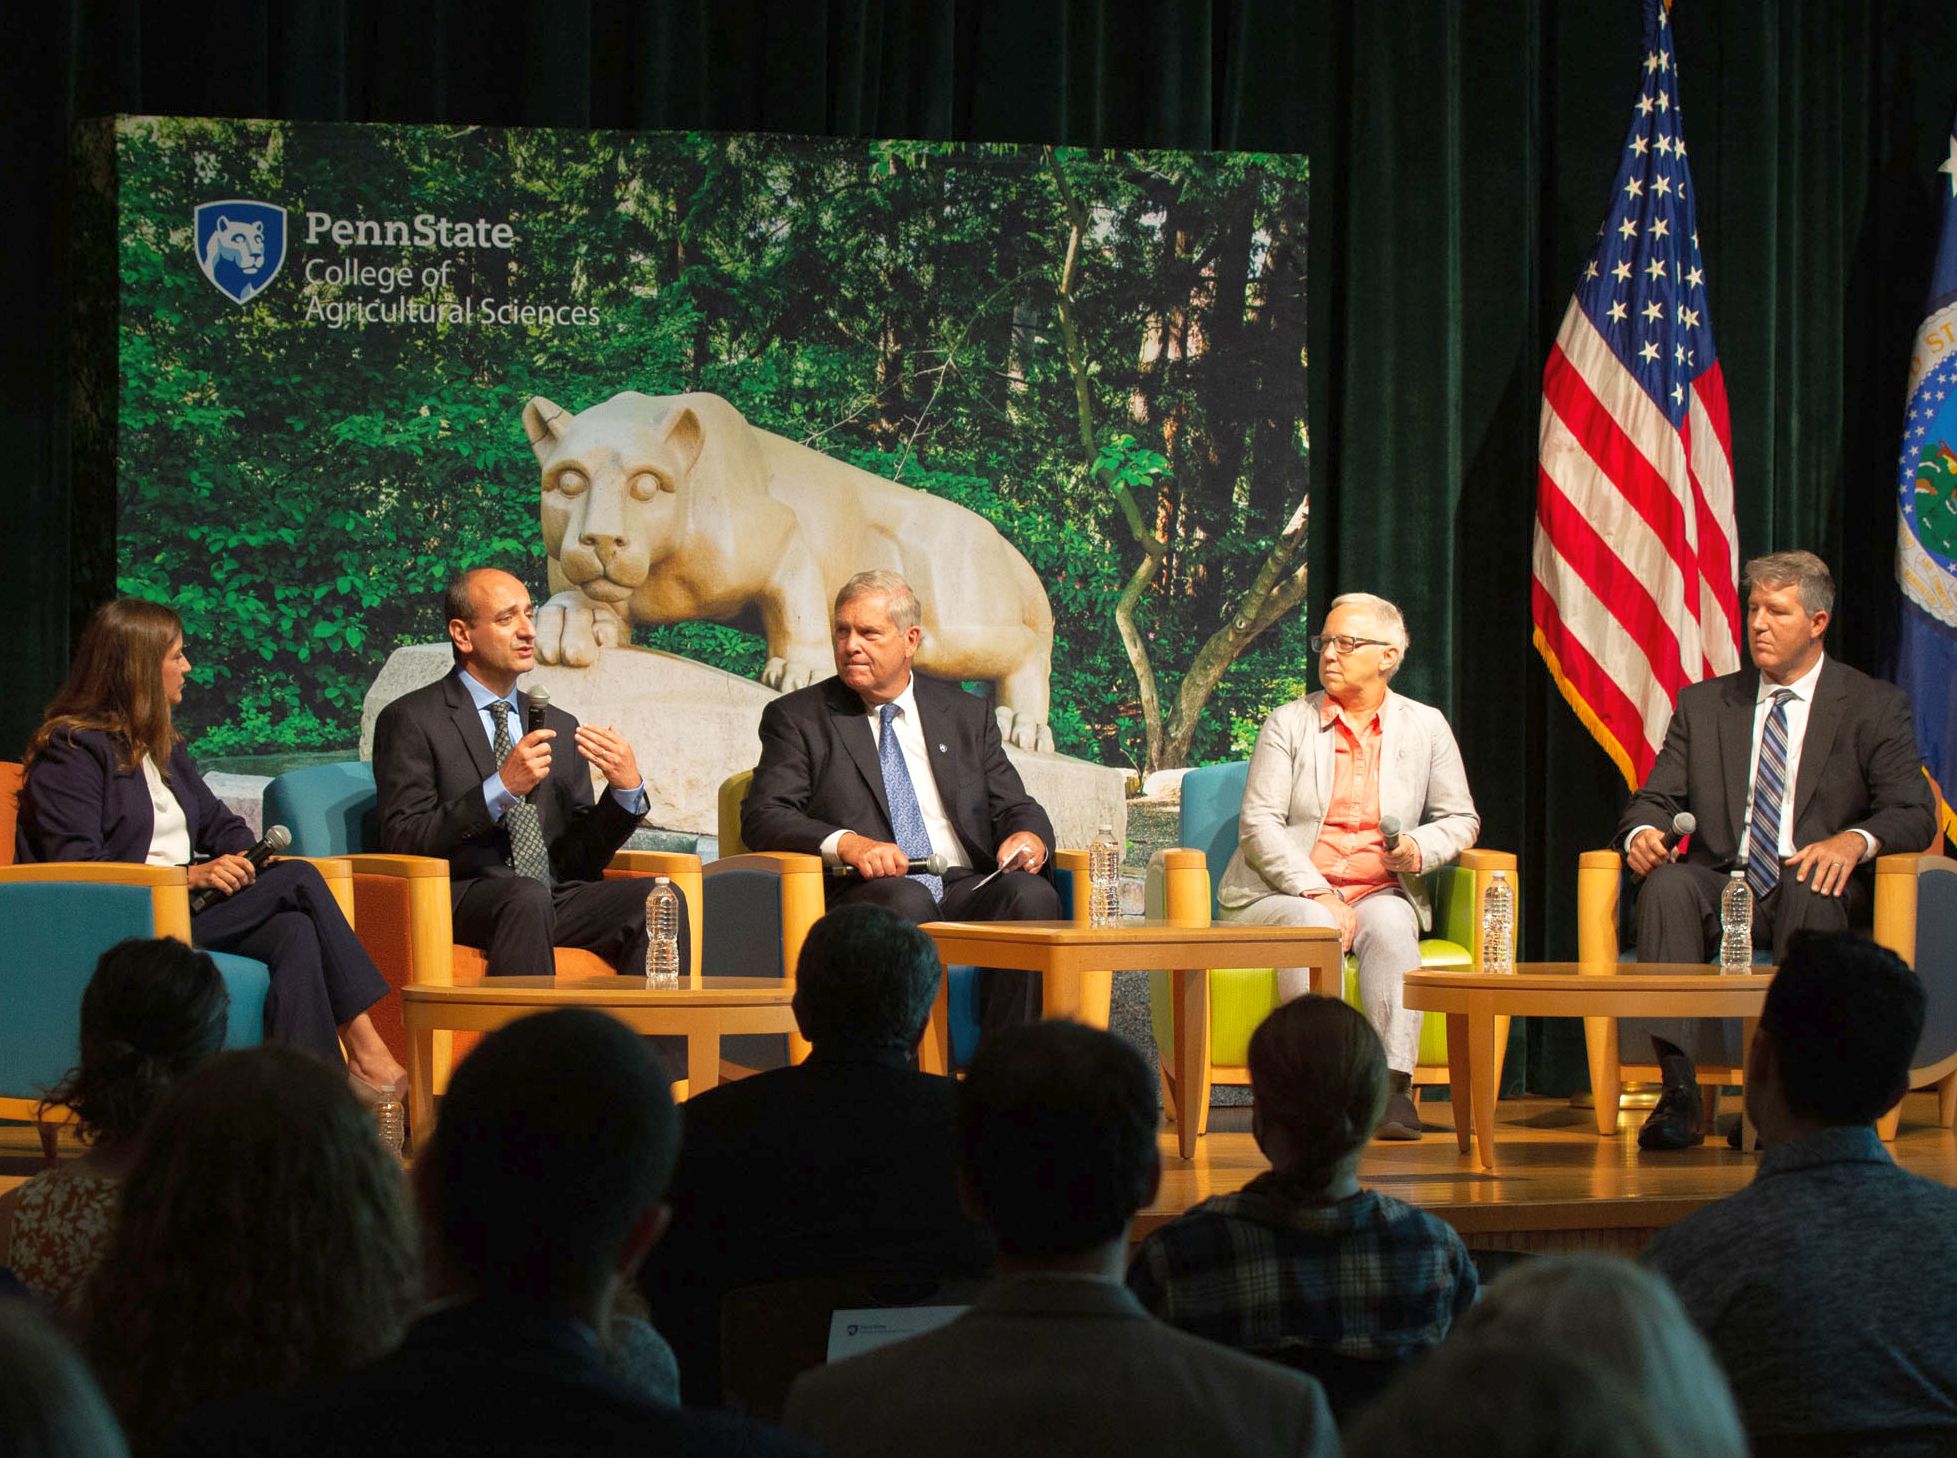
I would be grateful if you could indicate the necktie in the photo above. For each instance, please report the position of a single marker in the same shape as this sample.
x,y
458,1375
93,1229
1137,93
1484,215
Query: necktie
x,y
1769,790
906,816
527,851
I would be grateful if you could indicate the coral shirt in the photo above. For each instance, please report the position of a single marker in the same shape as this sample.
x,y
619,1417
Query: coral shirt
x,y
1350,853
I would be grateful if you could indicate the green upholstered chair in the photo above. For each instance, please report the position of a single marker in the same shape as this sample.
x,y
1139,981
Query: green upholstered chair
x,y
1241,998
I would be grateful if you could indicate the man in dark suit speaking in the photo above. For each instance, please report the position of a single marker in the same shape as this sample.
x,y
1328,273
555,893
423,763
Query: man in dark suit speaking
x,y
877,767
512,812
1798,771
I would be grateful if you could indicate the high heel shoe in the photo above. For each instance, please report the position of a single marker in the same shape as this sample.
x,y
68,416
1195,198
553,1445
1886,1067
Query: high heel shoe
x,y
373,1094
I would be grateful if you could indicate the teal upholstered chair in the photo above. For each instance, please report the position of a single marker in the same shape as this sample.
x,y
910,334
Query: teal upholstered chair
x,y
1241,998
54,931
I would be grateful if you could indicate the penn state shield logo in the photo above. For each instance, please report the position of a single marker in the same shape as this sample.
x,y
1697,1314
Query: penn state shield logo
x,y
240,246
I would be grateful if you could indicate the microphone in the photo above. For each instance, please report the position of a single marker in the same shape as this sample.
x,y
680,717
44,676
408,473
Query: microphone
x,y
931,865
533,720
1683,824
1389,828
276,839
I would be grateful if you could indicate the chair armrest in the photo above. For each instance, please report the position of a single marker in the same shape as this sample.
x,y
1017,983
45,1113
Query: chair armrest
x,y
337,875
1183,878
1599,884
169,886
1896,899
417,908
802,897
1478,859
373,863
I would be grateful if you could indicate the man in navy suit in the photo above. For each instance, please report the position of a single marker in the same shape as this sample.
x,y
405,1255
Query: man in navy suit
x,y
878,767
512,812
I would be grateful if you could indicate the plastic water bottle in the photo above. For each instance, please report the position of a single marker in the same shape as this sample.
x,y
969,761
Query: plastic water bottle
x,y
1498,925
391,1120
1104,879
1736,927
662,934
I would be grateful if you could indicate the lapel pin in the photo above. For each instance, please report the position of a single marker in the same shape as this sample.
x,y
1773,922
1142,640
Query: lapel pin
x,y
941,749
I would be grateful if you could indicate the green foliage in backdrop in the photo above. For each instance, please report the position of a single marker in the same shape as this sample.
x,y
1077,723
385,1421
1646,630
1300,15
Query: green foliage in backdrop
x,y
302,492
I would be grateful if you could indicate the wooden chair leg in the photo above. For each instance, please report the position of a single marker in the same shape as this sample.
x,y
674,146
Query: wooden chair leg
x,y
1169,1104
1709,1096
1947,1101
1887,1125
50,1134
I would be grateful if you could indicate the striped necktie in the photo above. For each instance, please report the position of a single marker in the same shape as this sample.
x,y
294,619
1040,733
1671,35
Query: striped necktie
x,y
527,851
1769,791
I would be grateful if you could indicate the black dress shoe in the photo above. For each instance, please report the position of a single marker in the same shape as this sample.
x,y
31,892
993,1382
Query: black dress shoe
x,y
1678,1121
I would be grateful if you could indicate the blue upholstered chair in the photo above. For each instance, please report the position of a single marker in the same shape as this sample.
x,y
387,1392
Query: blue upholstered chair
x,y
1241,998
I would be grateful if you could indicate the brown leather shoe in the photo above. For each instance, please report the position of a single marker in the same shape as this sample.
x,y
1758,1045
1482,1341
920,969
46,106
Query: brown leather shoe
x,y
1401,1119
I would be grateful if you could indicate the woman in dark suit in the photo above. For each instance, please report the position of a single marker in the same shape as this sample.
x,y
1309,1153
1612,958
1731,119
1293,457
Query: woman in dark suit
x,y
107,779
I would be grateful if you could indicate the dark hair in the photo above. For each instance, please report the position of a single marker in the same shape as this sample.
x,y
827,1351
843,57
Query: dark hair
x,y
50,1406
557,1134
866,978
153,1010
1512,1398
1056,1127
1843,1015
1318,1070
115,684
264,1240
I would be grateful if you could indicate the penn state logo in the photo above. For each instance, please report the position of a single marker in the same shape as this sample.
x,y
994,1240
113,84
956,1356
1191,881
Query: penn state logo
x,y
240,246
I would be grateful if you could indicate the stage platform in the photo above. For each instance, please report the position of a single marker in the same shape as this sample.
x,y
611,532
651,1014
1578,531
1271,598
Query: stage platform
x,y
1560,1187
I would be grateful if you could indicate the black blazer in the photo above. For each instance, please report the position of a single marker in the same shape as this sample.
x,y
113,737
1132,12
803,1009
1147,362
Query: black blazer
x,y
819,773
843,1163
1860,769
479,1380
79,804
431,756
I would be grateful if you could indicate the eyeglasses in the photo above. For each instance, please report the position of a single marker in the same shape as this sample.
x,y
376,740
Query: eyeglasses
x,y
1343,645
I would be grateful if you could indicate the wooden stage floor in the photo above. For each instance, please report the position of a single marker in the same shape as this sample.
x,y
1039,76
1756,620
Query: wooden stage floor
x,y
1559,1186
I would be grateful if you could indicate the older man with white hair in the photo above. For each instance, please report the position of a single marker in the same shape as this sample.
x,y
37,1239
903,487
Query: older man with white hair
x,y
1327,768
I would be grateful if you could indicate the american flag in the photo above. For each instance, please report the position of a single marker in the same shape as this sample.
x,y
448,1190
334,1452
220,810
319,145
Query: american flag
x,y
1636,554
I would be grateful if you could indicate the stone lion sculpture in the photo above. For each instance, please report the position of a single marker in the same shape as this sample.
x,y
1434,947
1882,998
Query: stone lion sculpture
x,y
665,509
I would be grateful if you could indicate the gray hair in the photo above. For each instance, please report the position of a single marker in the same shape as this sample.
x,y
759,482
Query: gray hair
x,y
1800,569
1386,619
904,610
1626,1319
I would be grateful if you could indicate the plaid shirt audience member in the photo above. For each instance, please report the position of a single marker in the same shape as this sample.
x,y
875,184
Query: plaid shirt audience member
x,y
1267,1268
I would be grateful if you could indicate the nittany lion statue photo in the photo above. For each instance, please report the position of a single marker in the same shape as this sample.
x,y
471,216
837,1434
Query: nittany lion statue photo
x,y
670,508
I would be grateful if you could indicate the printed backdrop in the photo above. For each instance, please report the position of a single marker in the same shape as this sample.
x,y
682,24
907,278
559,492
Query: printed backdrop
x,y
325,337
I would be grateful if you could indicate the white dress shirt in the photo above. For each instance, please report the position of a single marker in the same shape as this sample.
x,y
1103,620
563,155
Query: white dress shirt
x,y
495,795
1796,713
169,837
917,760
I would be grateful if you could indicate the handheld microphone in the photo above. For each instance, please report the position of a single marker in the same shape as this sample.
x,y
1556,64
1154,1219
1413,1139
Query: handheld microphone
x,y
1389,829
1683,824
533,720
276,839
931,865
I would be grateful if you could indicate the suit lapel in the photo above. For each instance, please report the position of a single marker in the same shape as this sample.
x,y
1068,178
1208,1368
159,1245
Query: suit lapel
x,y
1736,747
1324,750
468,722
1825,713
853,728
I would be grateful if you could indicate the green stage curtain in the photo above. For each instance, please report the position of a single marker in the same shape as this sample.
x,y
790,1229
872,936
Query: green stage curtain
x,y
1461,153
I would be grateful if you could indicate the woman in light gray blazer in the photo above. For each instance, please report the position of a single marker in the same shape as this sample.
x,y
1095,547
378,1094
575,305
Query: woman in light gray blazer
x,y
1327,769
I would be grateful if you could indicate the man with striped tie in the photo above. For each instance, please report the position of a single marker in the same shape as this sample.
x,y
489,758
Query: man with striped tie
x,y
1799,770
878,767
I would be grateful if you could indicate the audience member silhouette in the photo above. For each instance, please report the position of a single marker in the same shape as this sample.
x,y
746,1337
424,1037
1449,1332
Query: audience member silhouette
x,y
152,1011
1302,1265
1828,1286
1057,1131
843,1163
540,1193
264,1240
1613,1312
50,1406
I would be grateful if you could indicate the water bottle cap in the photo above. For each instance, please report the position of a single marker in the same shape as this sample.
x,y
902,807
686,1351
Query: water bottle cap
x,y
662,880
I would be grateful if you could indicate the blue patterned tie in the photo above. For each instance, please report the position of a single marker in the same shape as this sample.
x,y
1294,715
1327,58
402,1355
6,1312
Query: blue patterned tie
x,y
906,816
1769,789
